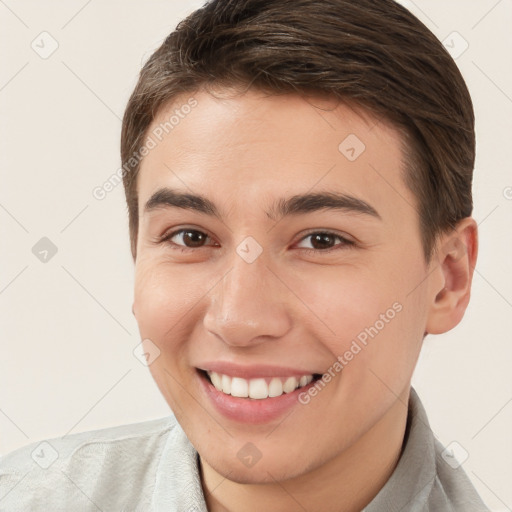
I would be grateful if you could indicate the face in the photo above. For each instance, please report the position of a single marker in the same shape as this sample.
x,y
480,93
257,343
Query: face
x,y
300,257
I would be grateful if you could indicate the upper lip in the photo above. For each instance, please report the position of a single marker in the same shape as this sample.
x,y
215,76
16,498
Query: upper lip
x,y
253,371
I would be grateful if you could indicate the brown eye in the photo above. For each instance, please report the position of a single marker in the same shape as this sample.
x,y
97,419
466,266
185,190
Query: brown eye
x,y
324,242
193,238
190,238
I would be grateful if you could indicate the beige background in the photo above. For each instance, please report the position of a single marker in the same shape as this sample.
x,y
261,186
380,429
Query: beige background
x,y
67,332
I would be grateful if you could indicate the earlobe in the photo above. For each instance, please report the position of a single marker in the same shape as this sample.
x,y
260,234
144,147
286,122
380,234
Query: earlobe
x,y
452,276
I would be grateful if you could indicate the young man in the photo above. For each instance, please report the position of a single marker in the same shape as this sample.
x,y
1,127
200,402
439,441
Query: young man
x,y
298,180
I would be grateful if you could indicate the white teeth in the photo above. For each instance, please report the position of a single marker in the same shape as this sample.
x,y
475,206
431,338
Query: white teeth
x,y
216,380
226,384
257,388
290,385
275,388
239,387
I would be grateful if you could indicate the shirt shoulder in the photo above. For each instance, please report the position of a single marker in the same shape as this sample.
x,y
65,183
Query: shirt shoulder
x,y
452,487
426,477
106,469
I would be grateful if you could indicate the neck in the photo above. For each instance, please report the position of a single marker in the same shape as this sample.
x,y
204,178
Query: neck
x,y
352,478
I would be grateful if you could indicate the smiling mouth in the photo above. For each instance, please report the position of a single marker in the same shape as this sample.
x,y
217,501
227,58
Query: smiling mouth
x,y
259,388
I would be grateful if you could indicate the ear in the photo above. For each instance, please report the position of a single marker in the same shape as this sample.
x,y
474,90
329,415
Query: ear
x,y
453,264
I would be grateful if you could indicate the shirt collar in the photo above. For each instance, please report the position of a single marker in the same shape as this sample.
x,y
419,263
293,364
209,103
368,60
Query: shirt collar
x,y
410,484
178,482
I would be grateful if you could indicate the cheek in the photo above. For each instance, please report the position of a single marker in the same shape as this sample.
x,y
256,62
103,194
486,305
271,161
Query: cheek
x,y
391,327
345,301
369,317
162,299
162,304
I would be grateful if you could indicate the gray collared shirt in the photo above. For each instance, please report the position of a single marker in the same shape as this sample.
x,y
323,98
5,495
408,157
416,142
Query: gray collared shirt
x,y
152,466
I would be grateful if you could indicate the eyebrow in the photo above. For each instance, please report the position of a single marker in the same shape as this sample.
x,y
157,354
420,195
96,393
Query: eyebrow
x,y
294,205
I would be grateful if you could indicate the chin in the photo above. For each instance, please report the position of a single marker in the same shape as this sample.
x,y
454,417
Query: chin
x,y
260,473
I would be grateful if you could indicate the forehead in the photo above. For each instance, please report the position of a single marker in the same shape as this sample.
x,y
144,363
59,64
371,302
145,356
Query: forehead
x,y
252,146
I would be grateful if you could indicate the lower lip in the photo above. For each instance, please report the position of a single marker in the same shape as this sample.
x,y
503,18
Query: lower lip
x,y
250,410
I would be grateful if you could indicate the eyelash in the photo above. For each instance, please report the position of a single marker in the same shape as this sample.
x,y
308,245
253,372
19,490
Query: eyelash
x,y
346,243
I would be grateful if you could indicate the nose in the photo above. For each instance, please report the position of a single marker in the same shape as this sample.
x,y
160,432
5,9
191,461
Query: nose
x,y
249,306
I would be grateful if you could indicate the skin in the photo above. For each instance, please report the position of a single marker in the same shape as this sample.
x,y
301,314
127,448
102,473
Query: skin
x,y
289,306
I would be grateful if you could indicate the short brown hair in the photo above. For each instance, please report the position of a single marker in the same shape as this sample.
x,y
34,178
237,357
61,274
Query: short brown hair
x,y
373,54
